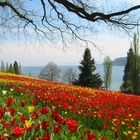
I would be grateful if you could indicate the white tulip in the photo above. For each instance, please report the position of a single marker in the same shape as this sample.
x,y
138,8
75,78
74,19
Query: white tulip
x,y
11,89
4,92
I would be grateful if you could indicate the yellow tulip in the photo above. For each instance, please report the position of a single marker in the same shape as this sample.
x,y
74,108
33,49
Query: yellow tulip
x,y
133,128
134,136
125,133
28,124
129,132
31,109
135,133
123,122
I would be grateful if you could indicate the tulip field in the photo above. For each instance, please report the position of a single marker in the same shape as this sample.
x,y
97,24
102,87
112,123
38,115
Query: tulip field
x,y
33,109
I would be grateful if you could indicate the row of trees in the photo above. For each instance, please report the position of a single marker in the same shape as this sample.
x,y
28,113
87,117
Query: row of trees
x,y
10,68
131,78
87,76
51,72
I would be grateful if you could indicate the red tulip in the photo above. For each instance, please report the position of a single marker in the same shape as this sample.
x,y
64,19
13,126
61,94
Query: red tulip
x,y
2,112
55,114
22,103
35,115
1,138
12,122
47,137
34,102
44,110
23,118
18,131
45,124
56,129
72,125
91,137
104,138
9,101
12,111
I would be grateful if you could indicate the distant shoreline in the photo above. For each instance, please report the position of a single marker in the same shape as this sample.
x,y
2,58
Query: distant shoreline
x,y
121,61
117,73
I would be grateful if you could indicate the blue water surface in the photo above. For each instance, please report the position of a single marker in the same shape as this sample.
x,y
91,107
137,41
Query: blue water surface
x,y
117,73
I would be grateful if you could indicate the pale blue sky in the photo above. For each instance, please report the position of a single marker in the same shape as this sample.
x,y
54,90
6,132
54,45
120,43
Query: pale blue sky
x,y
108,43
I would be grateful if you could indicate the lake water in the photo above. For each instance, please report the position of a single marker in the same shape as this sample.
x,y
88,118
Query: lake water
x,y
117,73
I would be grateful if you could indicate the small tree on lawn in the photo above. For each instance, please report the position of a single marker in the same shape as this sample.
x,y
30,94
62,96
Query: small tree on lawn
x,y
86,76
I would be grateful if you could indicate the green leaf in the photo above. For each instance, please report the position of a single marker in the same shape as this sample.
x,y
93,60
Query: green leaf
x,y
74,138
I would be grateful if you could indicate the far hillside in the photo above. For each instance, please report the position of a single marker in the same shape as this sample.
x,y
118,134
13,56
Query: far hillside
x,y
121,61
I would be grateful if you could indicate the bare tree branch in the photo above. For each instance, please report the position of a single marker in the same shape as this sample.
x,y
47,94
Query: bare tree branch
x,y
15,10
93,16
55,18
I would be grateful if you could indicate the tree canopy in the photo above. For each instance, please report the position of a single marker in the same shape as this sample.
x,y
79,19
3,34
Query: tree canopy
x,y
66,19
107,72
50,72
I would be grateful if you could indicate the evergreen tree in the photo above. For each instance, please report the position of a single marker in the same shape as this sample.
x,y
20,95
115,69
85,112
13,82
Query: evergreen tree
x,y
16,68
131,79
86,76
135,65
126,86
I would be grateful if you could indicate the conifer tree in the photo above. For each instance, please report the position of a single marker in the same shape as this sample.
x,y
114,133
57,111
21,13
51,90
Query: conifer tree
x,y
126,86
131,79
86,76
16,67
135,65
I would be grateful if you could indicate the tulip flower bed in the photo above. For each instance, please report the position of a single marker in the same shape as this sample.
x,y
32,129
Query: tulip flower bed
x,y
33,109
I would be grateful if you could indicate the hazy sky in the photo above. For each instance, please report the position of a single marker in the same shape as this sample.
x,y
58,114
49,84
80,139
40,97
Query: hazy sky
x,y
113,46
34,55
